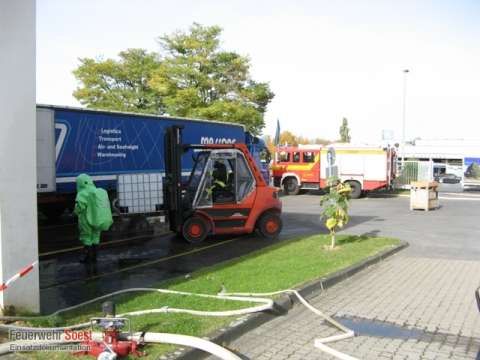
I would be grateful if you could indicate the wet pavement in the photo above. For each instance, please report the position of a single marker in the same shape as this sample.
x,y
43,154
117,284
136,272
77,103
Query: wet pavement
x,y
59,237
64,281
143,260
366,327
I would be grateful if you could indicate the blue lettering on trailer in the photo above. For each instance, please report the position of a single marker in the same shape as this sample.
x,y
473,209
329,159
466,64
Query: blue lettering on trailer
x,y
205,140
61,131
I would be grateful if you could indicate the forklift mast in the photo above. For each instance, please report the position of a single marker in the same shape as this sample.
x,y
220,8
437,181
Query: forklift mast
x,y
173,175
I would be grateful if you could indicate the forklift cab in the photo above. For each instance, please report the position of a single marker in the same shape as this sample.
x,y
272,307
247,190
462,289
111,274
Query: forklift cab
x,y
219,176
225,192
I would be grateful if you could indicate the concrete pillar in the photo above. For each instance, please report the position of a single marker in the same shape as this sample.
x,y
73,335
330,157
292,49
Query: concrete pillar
x,y
18,204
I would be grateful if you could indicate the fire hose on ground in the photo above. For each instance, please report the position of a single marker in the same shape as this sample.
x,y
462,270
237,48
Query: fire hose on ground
x,y
264,304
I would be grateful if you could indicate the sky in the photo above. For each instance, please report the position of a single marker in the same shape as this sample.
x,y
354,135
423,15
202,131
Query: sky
x,y
324,59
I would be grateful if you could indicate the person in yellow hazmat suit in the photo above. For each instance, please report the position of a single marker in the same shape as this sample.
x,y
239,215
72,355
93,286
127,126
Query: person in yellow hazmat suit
x,y
92,206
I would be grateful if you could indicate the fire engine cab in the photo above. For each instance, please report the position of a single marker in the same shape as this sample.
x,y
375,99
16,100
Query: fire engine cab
x,y
307,167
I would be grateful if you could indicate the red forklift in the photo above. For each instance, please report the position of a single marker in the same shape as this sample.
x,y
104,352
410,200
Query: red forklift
x,y
225,192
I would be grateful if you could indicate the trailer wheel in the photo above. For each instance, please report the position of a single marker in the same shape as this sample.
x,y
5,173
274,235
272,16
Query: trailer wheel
x,y
195,229
356,189
290,186
270,225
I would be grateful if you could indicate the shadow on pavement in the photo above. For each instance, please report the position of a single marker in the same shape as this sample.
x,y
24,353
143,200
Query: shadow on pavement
x,y
358,238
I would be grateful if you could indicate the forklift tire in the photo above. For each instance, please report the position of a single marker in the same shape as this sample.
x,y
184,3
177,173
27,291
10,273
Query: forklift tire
x,y
290,186
195,229
269,225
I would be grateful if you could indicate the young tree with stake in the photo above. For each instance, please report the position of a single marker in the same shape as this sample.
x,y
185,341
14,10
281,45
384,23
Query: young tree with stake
x,y
335,207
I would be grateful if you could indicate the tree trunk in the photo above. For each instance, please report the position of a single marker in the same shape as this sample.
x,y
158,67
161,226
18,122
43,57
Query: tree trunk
x,y
332,246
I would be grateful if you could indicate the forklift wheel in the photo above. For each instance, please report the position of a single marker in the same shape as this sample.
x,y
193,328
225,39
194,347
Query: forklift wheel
x,y
195,229
269,225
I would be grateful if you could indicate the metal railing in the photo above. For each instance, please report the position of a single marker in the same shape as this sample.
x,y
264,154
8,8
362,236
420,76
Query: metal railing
x,y
412,170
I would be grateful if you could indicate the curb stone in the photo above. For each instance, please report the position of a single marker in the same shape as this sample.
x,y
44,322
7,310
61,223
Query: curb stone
x,y
283,304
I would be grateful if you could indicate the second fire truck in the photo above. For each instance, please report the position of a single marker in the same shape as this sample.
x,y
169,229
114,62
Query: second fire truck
x,y
307,167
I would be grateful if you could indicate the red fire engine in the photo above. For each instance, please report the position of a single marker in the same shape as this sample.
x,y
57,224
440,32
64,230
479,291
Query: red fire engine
x,y
307,167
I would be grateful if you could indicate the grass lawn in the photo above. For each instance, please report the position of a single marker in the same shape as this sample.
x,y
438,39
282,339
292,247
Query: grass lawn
x,y
281,266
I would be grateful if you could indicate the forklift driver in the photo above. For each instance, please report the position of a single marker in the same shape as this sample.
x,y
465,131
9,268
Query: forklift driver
x,y
222,184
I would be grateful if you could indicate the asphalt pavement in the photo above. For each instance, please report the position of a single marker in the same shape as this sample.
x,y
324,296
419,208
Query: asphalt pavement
x,y
450,232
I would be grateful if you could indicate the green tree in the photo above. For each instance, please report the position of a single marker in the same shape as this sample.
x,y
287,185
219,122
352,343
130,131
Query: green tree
x,y
198,79
320,141
121,85
475,170
335,207
270,145
192,77
344,131
289,138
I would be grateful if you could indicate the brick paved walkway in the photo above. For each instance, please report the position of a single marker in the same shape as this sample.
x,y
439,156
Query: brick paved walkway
x,y
431,295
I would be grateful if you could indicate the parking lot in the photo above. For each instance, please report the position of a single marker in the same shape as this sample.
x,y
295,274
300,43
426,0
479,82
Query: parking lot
x,y
418,304
450,232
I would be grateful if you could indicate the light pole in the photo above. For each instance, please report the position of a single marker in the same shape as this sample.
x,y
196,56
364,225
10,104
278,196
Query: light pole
x,y
405,72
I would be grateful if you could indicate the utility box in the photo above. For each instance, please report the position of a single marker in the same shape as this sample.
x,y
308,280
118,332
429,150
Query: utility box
x,y
424,195
140,193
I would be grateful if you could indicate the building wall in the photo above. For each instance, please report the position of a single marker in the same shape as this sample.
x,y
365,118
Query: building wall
x,y
18,215
449,156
